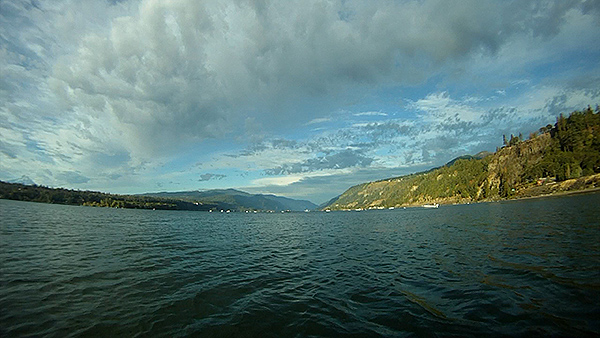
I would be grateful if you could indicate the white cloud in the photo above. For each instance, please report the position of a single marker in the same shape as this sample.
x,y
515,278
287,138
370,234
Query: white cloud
x,y
319,120
440,107
277,180
370,113
286,180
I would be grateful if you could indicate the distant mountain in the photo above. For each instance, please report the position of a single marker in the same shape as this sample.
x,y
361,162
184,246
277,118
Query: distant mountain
x,y
290,203
238,200
564,157
23,180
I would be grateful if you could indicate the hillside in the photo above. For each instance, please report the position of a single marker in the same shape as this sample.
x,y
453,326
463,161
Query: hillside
x,y
238,200
563,157
35,193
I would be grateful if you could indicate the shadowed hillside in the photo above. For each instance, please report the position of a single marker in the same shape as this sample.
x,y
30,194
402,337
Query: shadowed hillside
x,y
36,193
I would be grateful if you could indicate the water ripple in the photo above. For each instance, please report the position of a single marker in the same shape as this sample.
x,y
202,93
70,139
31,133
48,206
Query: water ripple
x,y
515,268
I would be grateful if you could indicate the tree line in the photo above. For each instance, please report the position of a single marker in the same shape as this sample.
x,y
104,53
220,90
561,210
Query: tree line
x,y
36,193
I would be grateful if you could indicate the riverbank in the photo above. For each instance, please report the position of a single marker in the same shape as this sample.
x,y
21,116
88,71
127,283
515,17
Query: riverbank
x,y
541,189
573,186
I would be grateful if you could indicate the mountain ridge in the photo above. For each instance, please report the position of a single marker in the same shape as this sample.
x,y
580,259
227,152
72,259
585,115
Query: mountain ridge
x,y
239,200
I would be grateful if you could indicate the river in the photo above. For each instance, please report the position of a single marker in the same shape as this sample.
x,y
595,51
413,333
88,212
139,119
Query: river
x,y
529,267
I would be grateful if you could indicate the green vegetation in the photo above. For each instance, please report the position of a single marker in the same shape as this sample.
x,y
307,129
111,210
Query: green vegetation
x,y
562,157
575,150
35,193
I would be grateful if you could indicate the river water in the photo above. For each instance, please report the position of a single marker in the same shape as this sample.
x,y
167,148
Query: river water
x,y
512,268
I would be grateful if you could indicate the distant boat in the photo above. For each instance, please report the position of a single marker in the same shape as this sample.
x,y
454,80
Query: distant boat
x,y
434,206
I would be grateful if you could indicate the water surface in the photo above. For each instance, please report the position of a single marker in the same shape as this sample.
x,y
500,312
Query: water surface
x,y
510,268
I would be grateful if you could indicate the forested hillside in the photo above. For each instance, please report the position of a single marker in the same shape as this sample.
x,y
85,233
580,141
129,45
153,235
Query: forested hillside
x,y
35,193
560,157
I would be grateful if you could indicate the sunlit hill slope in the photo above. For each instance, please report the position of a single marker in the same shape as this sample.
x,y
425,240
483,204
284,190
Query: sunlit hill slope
x,y
561,157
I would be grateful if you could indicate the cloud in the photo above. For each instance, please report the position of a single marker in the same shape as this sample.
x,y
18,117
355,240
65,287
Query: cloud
x,y
319,120
174,72
440,107
339,160
73,177
370,113
116,89
277,181
209,176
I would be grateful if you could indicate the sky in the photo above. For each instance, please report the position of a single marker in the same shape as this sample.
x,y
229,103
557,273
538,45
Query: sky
x,y
297,98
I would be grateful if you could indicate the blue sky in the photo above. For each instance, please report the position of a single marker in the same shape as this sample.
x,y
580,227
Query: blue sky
x,y
298,98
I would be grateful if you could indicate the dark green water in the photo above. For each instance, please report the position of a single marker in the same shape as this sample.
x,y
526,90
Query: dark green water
x,y
512,268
